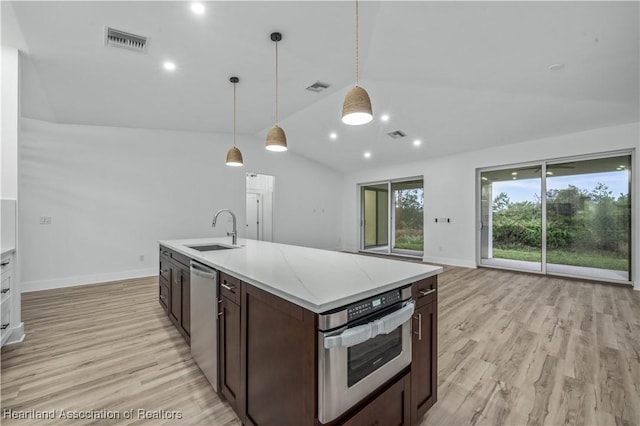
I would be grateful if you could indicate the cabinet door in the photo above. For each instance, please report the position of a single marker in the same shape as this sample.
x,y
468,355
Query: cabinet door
x,y
175,311
424,362
229,351
165,301
185,322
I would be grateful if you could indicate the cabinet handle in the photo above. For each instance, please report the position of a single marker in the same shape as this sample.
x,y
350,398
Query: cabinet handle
x,y
4,326
4,290
419,333
227,287
426,292
5,263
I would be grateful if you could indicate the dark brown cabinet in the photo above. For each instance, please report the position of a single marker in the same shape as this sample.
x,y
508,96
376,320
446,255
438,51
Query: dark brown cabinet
x,y
424,348
164,279
390,408
180,312
175,289
267,351
229,323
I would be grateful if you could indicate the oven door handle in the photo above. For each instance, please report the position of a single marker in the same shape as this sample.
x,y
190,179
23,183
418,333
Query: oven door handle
x,y
385,325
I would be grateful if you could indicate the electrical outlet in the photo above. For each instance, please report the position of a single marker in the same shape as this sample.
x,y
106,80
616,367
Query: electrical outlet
x,y
45,220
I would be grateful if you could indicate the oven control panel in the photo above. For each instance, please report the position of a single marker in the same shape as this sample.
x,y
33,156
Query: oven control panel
x,y
373,304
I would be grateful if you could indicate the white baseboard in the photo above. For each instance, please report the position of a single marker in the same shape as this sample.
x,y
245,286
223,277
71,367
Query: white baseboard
x,y
27,286
17,335
449,261
636,286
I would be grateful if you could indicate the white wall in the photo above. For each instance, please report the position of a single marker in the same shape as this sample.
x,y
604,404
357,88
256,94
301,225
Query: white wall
x,y
9,83
450,188
112,193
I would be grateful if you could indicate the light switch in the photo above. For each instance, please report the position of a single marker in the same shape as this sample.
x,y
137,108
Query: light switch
x,y
45,220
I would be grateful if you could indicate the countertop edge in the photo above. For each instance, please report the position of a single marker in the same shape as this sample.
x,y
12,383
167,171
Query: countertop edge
x,y
319,309
7,251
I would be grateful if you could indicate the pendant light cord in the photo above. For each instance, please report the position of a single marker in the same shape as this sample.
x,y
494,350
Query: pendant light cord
x,y
277,83
234,114
357,50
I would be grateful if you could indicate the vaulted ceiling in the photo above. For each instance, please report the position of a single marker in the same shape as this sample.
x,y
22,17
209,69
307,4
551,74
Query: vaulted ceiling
x,y
456,75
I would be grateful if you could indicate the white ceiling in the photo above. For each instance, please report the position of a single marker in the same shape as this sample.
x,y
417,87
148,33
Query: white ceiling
x,y
458,75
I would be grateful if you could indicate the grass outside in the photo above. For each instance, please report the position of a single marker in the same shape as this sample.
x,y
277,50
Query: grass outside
x,y
601,260
409,242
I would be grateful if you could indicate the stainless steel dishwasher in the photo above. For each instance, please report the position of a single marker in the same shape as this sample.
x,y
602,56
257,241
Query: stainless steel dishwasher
x,y
204,320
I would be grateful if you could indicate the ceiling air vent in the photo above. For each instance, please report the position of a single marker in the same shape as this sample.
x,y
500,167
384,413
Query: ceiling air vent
x,y
117,38
318,86
397,134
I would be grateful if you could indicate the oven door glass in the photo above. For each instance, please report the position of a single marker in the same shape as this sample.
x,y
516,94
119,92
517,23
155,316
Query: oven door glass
x,y
365,358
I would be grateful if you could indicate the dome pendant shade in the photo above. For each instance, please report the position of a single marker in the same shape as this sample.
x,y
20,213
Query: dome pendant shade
x,y
234,157
357,109
276,139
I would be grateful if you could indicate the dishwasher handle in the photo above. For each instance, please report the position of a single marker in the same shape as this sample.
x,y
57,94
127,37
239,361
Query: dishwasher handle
x,y
203,271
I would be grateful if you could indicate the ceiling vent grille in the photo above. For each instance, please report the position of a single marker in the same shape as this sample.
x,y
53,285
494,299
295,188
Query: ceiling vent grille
x,y
318,86
397,134
117,38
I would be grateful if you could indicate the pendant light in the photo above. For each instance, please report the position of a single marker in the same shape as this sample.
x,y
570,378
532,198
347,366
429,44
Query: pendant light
x,y
357,109
276,139
234,156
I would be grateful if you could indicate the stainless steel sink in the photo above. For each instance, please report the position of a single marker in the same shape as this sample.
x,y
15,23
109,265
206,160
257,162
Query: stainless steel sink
x,y
211,247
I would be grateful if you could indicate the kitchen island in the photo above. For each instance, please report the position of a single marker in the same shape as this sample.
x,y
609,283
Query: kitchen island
x,y
278,356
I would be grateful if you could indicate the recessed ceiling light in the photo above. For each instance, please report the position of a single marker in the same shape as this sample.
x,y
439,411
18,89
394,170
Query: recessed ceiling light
x,y
169,66
417,142
514,173
621,166
549,173
514,178
367,154
556,67
484,178
197,8
333,136
384,117
618,168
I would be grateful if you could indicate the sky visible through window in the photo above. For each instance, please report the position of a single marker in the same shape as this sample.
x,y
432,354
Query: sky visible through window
x,y
529,189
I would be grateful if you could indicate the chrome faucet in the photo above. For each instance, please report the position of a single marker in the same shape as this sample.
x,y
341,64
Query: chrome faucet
x,y
233,234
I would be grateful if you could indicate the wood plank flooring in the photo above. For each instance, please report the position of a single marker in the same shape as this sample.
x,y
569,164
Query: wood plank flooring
x,y
514,349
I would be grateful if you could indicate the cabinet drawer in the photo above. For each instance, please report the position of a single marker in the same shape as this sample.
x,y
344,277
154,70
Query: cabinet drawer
x,y
165,267
230,287
164,294
5,318
6,265
175,256
390,408
425,291
5,287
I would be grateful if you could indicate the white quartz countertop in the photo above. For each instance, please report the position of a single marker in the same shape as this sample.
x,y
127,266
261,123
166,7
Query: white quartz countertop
x,y
318,280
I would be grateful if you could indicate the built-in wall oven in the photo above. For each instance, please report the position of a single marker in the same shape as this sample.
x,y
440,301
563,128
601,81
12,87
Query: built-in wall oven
x,y
360,347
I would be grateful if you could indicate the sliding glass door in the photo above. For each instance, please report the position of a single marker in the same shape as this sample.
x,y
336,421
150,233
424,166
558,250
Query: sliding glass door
x,y
511,218
392,217
570,218
589,218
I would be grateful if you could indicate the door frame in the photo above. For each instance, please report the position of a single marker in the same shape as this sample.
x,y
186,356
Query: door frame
x,y
391,217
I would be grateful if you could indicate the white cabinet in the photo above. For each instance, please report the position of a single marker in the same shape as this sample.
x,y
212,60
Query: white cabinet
x,y
7,295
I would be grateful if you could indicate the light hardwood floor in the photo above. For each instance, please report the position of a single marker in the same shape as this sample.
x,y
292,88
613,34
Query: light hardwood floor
x,y
514,349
